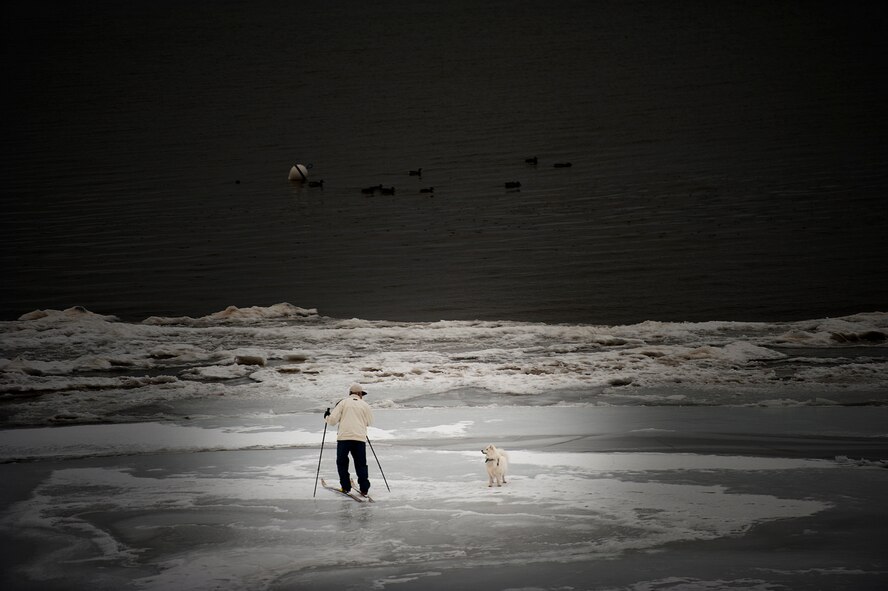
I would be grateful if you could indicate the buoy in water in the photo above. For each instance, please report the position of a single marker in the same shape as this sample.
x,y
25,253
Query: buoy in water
x,y
299,173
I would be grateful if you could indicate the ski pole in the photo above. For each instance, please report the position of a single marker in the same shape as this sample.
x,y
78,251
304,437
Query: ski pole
x,y
320,456
378,464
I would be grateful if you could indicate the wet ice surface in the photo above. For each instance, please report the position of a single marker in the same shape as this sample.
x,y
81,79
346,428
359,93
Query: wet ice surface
x,y
788,432
162,514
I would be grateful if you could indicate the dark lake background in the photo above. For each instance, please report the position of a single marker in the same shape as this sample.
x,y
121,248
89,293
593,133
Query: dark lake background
x,y
728,159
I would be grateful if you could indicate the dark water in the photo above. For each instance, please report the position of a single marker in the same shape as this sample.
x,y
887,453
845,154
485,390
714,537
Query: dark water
x,y
728,159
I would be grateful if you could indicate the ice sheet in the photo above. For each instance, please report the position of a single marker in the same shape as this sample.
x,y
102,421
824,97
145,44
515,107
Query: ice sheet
x,y
61,367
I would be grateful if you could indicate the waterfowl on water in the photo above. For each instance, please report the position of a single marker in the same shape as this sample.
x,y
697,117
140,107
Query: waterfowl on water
x,y
371,190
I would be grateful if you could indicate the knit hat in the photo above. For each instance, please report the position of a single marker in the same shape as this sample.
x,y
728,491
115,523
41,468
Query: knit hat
x,y
357,389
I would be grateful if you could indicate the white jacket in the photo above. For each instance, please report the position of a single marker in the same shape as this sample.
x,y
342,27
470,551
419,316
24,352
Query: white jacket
x,y
353,416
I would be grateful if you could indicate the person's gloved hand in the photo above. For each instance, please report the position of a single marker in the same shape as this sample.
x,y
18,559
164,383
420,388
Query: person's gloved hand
x,y
327,414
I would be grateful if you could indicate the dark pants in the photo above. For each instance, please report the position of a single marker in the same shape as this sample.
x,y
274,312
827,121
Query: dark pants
x,y
358,450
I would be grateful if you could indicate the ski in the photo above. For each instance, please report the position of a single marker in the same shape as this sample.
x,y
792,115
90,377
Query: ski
x,y
368,497
354,496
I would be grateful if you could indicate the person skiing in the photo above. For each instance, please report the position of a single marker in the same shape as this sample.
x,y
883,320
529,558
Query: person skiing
x,y
353,416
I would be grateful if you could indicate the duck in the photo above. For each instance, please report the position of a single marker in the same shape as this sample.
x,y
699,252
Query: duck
x,y
387,190
562,165
417,172
316,184
513,184
531,160
427,190
371,190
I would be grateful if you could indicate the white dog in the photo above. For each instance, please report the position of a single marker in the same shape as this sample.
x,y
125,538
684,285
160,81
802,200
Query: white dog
x,y
496,461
